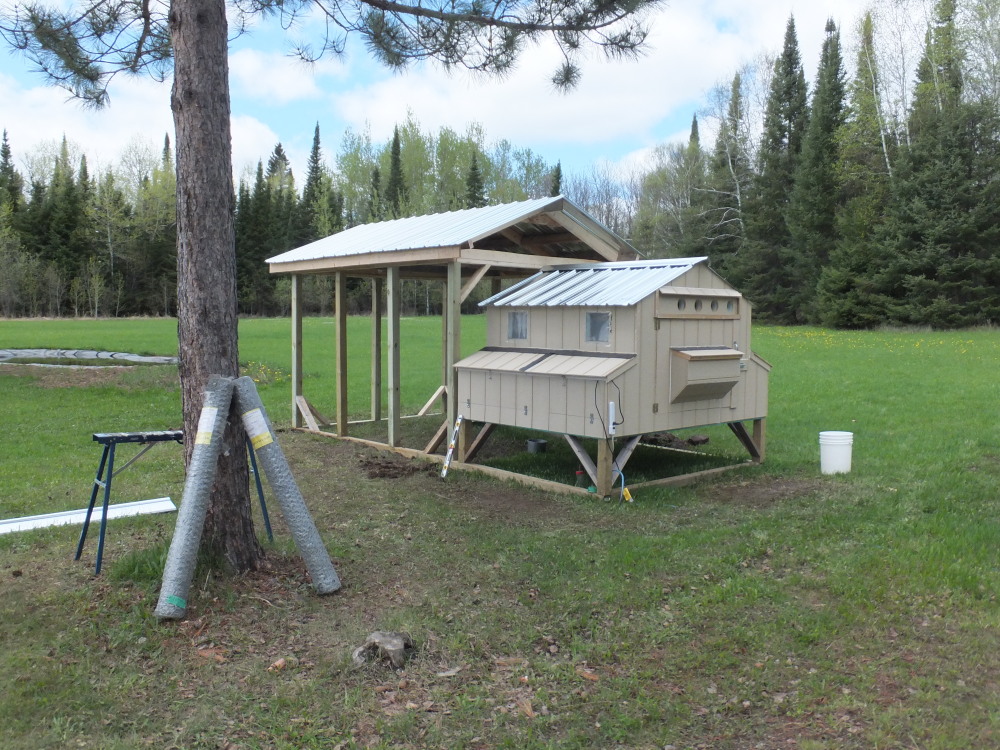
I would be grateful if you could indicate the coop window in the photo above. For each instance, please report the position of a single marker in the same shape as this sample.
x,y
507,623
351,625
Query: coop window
x,y
598,326
517,325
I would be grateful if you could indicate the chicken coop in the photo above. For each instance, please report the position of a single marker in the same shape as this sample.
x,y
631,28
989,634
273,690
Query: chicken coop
x,y
616,351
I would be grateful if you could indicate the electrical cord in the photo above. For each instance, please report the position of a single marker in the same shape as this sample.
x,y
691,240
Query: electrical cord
x,y
607,439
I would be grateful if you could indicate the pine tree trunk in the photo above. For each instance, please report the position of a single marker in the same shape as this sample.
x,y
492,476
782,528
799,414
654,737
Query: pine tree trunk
x,y
206,261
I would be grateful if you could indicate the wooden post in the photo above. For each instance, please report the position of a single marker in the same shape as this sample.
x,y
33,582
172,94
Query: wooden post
x,y
392,313
605,453
377,284
453,349
462,441
760,438
340,313
296,348
445,312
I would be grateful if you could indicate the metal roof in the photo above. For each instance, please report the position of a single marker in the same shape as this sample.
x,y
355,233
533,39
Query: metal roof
x,y
618,284
444,230
571,365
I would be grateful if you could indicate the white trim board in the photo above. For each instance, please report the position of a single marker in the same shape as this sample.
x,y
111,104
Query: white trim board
x,y
67,517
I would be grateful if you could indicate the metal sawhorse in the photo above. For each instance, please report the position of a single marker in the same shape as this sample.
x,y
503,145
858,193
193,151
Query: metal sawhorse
x,y
106,472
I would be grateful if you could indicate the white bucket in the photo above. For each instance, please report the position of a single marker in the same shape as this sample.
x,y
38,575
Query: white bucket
x,y
835,452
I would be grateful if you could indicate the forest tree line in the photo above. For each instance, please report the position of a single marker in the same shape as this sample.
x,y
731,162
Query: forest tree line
x,y
862,199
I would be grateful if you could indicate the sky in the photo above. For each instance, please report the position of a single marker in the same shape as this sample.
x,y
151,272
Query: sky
x,y
617,114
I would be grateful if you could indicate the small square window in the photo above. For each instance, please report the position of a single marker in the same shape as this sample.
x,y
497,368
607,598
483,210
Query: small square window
x,y
517,325
598,326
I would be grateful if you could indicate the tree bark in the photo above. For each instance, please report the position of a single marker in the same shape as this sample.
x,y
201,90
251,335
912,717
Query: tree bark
x,y
206,261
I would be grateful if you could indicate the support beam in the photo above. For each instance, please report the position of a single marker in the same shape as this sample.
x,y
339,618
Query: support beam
x,y
760,438
305,412
754,444
296,348
453,350
340,314
430,402
376,378
470,285
437,438
623,456
479,441
462,442
583,457
605,480
445,311
392,314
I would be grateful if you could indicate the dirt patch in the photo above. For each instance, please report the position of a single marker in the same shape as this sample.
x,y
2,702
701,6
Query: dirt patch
x,y
512,505
761,493
391,466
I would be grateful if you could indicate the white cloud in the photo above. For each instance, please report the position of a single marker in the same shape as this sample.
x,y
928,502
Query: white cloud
x,y
253,141
276,78
620,110
41,114
692,48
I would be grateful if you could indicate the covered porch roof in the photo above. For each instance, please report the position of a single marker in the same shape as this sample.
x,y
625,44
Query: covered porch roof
x,y
522,236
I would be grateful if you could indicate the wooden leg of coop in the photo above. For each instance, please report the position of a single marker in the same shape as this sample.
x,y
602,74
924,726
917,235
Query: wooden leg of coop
x,y
760,438
605,454
479,441
462,443
753,443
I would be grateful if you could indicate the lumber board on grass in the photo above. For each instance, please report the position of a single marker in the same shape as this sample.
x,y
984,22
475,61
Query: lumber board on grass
x,y
68,517
683,479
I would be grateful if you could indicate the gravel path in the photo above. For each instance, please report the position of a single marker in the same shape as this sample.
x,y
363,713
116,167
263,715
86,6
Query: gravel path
x,y
11,356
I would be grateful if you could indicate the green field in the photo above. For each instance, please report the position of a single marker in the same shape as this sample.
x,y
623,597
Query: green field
x,y
772,607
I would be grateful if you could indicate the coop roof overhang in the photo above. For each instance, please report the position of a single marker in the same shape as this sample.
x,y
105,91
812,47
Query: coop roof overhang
x,y
527,235
570,364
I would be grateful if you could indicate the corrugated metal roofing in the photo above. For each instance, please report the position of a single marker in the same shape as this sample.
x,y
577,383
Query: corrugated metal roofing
x,y
451,229
555,363
597,284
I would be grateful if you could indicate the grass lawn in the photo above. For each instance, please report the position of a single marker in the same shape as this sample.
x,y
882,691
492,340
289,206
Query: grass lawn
x,y
772,607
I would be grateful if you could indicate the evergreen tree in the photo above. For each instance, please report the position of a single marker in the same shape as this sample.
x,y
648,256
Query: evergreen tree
x,y
939,72
813,203
765,272
284,203
475,190
395,186
844,293
255,232
11,182
556,180
376,206
938,262
305,230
